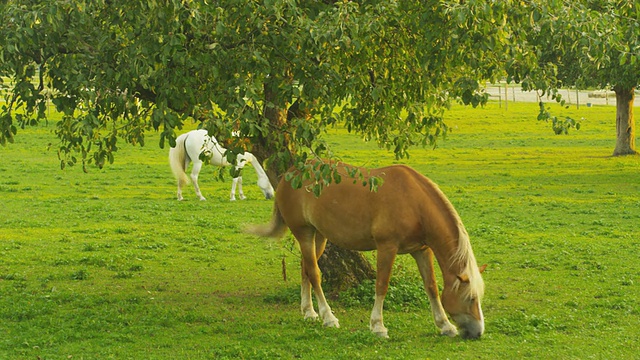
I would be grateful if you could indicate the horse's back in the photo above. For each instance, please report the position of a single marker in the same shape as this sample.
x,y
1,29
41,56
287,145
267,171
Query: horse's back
x,y
351,215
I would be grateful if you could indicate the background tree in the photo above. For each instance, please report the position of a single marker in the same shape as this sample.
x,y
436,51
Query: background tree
x,y
608,52
587,43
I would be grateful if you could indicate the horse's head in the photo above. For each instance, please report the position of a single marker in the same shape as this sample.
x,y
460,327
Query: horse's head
x,y
265,185
462,302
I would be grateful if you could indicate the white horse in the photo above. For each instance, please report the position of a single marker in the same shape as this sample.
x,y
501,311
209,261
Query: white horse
x,y
188,148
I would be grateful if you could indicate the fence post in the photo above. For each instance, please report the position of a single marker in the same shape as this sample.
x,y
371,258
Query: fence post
x,y
506,95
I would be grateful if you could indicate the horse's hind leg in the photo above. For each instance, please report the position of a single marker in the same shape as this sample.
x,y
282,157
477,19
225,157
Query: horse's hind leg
x,y
385,260
180,198
424,259
197,166
306,303
182,180
311,278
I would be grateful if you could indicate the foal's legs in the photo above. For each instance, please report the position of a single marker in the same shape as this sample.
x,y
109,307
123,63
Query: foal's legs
x,y
197,166
385,260
311,278
424,259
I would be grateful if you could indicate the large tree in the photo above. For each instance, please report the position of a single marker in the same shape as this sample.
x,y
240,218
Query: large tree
x,y
275,71
118,69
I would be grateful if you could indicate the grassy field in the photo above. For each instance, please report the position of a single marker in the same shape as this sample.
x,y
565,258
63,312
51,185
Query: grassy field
x,y
108,265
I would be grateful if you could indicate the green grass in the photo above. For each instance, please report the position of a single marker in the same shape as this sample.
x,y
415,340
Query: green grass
x,y
109,265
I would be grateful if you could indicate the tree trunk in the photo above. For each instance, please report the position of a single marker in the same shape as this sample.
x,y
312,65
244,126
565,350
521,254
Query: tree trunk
x,y
276,113
625,123
340,268
343,269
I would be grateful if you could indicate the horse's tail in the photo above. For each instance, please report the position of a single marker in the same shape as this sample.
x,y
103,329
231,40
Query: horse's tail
x,y
177,157
275,228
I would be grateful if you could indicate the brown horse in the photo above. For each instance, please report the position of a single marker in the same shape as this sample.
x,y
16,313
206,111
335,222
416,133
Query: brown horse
x,y
407,214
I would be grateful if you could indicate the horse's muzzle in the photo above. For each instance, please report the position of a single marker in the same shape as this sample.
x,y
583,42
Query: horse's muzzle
x,y
470,335
468,327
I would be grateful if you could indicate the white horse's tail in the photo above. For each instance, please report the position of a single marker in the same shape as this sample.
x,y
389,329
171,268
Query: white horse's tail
x,y
177,157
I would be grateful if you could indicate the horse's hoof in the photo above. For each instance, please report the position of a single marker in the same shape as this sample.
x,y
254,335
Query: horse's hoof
x,y
203,199
449,331
311,316
380,330
382,334
332,323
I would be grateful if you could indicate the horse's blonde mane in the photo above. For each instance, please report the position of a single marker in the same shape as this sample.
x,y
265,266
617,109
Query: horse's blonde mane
x,y
463,257
467,261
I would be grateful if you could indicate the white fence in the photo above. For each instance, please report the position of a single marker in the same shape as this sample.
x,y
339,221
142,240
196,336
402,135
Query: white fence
x,y
505,93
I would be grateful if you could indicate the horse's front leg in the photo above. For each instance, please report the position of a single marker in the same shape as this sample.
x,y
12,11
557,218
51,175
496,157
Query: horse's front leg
x,y
234,182
424,259
385,260
237,182
240,192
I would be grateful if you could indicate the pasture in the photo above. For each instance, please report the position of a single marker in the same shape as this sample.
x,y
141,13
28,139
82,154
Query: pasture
x,y
109,265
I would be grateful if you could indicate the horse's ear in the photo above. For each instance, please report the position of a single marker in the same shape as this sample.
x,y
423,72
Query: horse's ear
x,y
463,278
482,268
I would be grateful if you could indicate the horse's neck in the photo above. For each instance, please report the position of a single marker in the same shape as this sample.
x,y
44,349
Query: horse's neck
x,y
256,164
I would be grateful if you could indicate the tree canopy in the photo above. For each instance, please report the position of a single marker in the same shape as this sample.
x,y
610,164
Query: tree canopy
x,y
280,71
118,69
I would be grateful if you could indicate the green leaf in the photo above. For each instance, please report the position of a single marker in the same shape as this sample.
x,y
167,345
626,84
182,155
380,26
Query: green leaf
x,y
336,177
296,182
